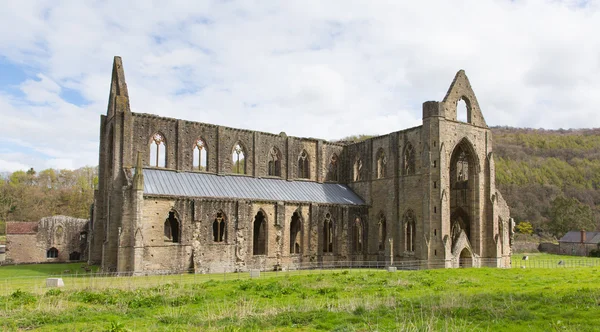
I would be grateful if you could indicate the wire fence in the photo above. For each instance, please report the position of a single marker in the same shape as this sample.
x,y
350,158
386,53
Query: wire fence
x,y
130,281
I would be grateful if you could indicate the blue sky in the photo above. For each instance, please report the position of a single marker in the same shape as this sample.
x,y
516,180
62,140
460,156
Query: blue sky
x,y
312,68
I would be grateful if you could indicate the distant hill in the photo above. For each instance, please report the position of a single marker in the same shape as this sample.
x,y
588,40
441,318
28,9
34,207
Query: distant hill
x,y
533,166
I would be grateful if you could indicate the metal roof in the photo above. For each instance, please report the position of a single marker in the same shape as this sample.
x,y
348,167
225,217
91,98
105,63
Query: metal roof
x,y
575,237
196,184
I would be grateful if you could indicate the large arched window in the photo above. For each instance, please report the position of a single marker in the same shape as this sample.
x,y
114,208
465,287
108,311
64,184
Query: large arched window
x,y
158,151
295,235
171,229
357,235
200,162
357,170
381,164
220,228
382,234
327,234
462,175
410,231
52,253
274,162
259,236
333,169
409,159
238,159
303,165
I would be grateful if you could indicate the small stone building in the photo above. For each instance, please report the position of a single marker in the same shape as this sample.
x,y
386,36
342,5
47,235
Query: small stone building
x,y
578,243
52,239
178,195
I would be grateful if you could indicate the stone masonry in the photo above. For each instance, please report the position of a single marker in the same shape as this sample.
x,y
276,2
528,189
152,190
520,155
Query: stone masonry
x,y
430,189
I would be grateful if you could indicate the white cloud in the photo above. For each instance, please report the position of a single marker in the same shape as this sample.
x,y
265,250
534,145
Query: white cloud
x,y
323,69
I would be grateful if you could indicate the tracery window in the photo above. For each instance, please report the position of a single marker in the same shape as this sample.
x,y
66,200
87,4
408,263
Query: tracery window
x,y
200,153
382,234
274,162
158,151
409,231
239,159
303,165
381,164
357,170
409,160
219,228
332,171
327,234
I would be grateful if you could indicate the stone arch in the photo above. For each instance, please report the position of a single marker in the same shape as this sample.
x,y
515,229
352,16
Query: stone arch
x,y
260,233
52,253
463,115
172,227
409,222
296,233
200,155
358,235
158,150
465,258
381,163
357,169
409,159
333,168
274,162
382,231
219,227
304,165
328,233
238,158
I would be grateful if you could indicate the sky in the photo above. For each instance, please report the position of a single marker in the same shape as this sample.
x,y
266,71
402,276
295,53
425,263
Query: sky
x,y
311,68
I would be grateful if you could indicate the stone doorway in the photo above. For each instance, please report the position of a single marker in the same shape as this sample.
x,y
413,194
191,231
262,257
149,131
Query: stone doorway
x,y
465,259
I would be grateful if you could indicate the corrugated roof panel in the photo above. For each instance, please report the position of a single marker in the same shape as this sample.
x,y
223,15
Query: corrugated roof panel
x,y
196,184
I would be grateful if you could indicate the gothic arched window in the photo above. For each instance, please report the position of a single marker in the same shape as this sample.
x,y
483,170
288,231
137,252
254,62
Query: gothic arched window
x,y
158,151
357,170
382,234
409,160
274,162
303,165
358,235
200,161
381,164
333,169
410,231
220,228
327,234
238,159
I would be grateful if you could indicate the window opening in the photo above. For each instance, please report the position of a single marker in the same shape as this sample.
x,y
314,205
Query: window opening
x,y
158,151
332,172
171,229
274,162
200,160
409,160
259,243
357,170
381,164
295,237
382,232
327,234
52,253
239,160
219,228
358,235
303,164
410,231
462,111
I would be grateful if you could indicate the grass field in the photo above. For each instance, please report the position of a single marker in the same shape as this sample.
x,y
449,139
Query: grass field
x,y
532,299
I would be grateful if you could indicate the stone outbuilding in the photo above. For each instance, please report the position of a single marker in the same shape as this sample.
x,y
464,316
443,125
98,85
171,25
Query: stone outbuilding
x,y
177,195
578,243
52,239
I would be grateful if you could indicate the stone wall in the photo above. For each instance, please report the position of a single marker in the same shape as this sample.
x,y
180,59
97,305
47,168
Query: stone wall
x,y
67,235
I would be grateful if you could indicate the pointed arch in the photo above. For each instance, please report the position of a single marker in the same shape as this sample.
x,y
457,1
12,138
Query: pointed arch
x,y
358,235
357,169
172,228
382,231
219,227
158,150
333,168
303,165
296,233
200,155
410,230
238,156
409,159
381,164
259,234
328,236
52,253
274,164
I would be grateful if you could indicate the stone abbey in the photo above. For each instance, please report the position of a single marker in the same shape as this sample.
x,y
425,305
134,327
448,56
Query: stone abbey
x,y
178,195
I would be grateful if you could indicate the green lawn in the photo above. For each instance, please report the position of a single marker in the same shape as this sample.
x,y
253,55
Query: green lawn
x,y
36,270
532,299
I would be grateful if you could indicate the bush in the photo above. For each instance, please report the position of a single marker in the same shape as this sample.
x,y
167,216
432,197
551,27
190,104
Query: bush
x,y
524,227
595,253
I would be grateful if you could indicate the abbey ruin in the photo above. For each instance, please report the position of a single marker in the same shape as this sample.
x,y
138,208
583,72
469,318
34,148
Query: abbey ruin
x,y
178,195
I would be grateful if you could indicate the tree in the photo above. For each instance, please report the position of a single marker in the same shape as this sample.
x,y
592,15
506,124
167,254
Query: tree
x,y
524,227
568,214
